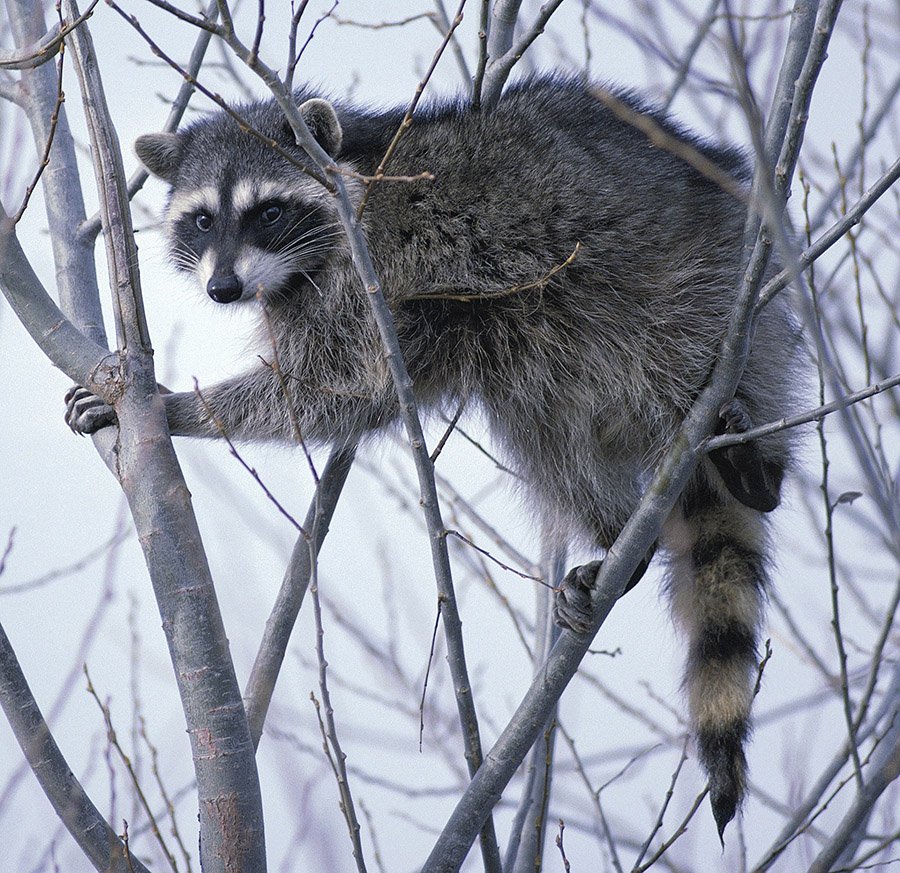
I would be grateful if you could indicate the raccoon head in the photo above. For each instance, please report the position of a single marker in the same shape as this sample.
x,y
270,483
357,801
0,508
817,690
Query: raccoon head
x,y
242,219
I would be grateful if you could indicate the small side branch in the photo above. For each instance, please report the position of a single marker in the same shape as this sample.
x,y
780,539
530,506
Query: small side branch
x,y
82,360
817,414
883,769
502,54
36,54
407,121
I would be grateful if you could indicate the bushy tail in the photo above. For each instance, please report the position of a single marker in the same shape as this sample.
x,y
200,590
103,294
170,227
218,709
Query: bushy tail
x,y
717,585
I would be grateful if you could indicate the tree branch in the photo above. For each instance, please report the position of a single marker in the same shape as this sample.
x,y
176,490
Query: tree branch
x,y
408,413
280,624
46,48
502,54
81,359
817,414
76,276
99,842
88,230
223,754
882,770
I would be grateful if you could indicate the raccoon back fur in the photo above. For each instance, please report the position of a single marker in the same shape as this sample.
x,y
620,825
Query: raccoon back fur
x,y
584,372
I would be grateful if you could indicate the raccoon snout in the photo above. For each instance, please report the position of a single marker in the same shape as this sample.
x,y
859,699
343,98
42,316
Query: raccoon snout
x,y
225,289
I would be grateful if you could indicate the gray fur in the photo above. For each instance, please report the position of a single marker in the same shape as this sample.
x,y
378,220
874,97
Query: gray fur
x,y
583,376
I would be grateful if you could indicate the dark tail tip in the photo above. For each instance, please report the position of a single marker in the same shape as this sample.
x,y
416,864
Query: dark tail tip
x,y
722,756
724,807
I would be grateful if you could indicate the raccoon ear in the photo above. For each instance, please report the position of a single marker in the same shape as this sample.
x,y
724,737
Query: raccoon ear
x,y
323,124
160,153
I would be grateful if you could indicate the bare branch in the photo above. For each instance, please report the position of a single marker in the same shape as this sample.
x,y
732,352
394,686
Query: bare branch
x,y
46,48
882,770
91,227
706,22
407,121
643,527
272,648
113,740
408,412
228,785
502,54
97,839
76,275
77,356
331,743
853,216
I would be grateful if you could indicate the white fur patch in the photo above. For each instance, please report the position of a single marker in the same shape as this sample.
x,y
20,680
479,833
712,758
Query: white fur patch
x,y
260,271
244,196
204,199
205,267
249,193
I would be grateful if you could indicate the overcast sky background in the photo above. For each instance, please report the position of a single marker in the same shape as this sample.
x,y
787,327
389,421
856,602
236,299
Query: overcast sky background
x,y
63,503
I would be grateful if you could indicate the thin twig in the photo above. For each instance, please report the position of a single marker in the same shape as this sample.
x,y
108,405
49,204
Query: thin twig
x,y
167,800
407,121
451,426
478,81
46,48
243,124
832,235
706,22
223,433
54,120
499,563
295,59
434,630
332,745
274,643
504,292
817,414
681,829
62,572
661,138
113,740
645,847
7,550
89,228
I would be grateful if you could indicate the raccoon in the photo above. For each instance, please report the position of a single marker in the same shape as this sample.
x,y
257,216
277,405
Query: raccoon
x,y
559,272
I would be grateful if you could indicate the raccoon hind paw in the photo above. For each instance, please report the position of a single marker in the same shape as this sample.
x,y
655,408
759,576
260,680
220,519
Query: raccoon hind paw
x,y
572,609
752,478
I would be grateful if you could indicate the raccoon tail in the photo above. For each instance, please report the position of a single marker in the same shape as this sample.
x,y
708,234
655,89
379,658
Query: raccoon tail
x,y
717,584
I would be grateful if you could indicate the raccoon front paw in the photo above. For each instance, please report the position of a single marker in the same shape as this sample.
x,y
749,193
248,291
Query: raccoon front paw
x,y
86,412
572,609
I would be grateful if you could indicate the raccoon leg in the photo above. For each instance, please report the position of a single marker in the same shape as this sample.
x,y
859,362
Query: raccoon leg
x,y
572,608
751,477
717,584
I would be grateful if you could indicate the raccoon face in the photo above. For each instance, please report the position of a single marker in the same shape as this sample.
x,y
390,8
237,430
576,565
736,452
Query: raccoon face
x,y
254,239
240,218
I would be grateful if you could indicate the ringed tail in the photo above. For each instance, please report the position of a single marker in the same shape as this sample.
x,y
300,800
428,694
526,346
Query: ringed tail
x,y
717,584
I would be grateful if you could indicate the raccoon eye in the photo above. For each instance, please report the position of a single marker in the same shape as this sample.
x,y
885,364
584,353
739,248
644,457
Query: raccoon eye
x,y
271,214
203,221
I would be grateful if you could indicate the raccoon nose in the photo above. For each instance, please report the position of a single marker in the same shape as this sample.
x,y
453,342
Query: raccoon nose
x,y
224,289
